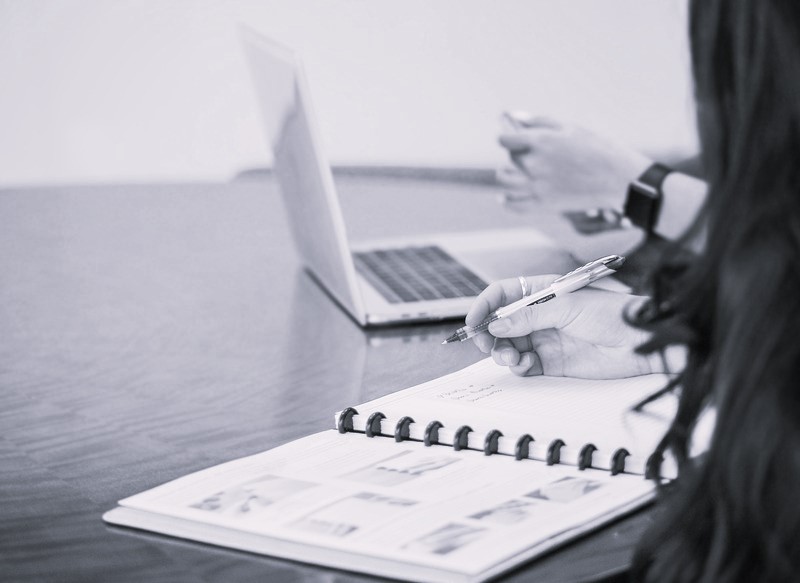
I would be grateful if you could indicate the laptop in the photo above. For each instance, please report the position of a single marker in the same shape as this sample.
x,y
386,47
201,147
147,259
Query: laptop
x,y
379,282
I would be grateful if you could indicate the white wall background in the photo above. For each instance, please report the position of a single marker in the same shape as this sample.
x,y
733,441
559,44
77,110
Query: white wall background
x,y
141,90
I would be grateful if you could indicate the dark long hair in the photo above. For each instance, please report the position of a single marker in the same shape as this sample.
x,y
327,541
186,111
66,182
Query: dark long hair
x,y
734,513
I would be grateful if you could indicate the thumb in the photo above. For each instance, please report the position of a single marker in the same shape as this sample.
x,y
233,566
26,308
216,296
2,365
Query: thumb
x,y
556,313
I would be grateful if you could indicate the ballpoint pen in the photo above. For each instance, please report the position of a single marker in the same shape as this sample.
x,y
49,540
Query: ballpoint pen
x,y
574,280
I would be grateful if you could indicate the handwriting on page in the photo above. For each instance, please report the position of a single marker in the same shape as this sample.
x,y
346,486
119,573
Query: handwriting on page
x,y
471,393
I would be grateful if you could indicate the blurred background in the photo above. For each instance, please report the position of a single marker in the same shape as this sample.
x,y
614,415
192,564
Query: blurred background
x,y
146,90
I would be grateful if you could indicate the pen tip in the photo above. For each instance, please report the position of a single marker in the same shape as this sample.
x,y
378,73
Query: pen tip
x,y
444,341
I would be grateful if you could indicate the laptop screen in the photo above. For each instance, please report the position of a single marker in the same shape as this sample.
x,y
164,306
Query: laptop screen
x,y
301,169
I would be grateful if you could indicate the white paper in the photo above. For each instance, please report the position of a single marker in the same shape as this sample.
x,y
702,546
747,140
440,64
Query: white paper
x,y
403,503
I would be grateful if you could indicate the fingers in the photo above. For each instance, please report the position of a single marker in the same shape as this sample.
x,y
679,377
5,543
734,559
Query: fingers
x,y
529,364
518,159
506,351
530,139
491,298
541,121
493,295
511,177
523,119
524,364
556,313
502,293
516,143
484,341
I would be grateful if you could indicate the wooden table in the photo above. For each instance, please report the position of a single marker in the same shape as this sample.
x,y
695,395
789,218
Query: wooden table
x,y
152,330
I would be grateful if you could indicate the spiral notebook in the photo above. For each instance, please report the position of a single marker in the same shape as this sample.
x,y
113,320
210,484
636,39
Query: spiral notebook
x,y
457,479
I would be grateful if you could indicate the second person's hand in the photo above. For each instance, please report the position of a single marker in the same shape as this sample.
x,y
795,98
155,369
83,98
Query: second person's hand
x,y
561,160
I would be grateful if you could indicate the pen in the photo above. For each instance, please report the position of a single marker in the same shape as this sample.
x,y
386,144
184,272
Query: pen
x,y
574,280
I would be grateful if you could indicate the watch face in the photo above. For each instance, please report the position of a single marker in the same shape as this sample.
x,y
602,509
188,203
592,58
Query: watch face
x,y
644,197
642,205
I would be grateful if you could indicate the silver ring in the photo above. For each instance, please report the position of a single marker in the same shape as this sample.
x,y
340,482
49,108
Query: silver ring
x,y
524,284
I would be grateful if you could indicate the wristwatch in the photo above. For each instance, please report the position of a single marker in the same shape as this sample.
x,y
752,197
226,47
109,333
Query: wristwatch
x,y
643,203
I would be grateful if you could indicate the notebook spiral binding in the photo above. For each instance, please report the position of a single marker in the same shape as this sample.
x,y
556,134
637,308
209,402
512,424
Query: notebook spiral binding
x,y
431,436
521,448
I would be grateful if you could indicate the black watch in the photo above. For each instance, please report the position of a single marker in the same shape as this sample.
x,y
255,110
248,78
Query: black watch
x,y
643,203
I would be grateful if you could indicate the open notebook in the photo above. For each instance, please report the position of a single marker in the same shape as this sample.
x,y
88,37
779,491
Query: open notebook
x,y
457,479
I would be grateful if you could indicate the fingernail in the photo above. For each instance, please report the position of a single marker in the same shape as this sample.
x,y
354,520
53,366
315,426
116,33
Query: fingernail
x,y
508,356
499,327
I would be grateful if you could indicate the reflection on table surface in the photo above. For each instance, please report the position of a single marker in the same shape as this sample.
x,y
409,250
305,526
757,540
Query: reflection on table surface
x,y
149,331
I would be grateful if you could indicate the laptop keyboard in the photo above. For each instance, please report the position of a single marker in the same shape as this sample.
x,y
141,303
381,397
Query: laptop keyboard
x,y
413,274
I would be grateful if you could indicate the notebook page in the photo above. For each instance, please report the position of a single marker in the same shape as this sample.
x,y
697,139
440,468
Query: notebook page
x,y
486,396
387,508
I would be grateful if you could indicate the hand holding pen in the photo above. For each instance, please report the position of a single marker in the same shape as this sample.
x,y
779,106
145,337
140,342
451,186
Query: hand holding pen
x,y
582,334
572,281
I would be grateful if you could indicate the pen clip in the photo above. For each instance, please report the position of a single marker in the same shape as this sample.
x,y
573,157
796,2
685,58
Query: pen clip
x,y
589,267
581,269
